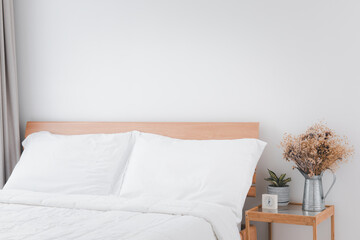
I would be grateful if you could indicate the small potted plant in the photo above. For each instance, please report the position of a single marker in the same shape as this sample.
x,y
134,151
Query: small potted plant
x,y
279,187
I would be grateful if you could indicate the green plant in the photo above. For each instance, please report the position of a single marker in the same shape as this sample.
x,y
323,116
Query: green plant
x,y
277,181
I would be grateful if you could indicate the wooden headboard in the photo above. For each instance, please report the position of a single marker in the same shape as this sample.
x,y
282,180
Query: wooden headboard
x,y
181,130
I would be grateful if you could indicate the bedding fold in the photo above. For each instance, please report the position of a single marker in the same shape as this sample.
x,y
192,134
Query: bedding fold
x,y
221,219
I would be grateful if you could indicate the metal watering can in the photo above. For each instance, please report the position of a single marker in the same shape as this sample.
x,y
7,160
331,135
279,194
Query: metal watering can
x,y
314,199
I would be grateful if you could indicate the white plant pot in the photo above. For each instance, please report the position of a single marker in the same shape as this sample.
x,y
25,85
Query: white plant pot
x,y
283,194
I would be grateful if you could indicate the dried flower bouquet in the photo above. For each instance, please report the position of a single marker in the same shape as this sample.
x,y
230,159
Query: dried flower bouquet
x,y
316,150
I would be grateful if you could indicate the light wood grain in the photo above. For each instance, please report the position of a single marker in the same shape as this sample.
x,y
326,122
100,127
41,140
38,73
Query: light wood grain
x,y
254,214
254,178
270,230
181,130
243,233
247,227
333,227
322,216
252,191
314,231
282,218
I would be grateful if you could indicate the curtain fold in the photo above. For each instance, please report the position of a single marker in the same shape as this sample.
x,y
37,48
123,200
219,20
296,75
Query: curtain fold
x,y
9,108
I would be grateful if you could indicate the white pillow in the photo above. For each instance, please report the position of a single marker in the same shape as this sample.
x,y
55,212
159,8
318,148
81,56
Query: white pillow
x,y
215,171
72,164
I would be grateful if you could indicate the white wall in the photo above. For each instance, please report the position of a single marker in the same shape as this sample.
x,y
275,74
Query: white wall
x,y
283,63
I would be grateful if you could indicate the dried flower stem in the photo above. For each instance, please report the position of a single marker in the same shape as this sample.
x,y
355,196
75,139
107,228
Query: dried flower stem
x,y
316,150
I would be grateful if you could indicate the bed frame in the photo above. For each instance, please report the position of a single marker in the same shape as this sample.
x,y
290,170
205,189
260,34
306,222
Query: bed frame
x,y
181,130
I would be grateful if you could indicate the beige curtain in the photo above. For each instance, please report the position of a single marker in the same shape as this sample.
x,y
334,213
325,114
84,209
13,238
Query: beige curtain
x,y
9,109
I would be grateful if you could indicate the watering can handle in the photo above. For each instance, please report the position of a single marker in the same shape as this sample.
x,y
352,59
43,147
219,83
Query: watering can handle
x,y
334,180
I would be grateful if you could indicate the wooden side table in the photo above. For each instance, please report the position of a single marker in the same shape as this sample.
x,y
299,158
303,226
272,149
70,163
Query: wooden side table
x,y
291,214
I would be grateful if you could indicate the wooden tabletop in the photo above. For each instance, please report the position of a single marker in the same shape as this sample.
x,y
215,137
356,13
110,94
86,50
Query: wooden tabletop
x,y
291,214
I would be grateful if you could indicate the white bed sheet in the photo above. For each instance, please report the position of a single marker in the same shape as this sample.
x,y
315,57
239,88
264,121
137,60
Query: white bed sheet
x,y
40,216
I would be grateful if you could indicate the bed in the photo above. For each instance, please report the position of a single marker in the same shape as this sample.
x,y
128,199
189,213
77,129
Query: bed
x,y
26,214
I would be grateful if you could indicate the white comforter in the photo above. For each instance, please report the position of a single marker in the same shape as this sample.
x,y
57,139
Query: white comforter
x,y
30,215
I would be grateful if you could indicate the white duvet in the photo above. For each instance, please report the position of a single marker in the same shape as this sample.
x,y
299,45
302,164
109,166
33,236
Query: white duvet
x,y
30,215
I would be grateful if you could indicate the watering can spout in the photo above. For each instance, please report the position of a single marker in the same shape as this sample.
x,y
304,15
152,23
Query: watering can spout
x,y
302,172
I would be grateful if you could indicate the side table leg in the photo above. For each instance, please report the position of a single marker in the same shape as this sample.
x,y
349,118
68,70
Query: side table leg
x,y
270,230
247,227
314,231
333,227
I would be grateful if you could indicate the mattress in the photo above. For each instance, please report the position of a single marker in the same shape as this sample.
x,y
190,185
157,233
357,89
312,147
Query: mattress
x,y
31,215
